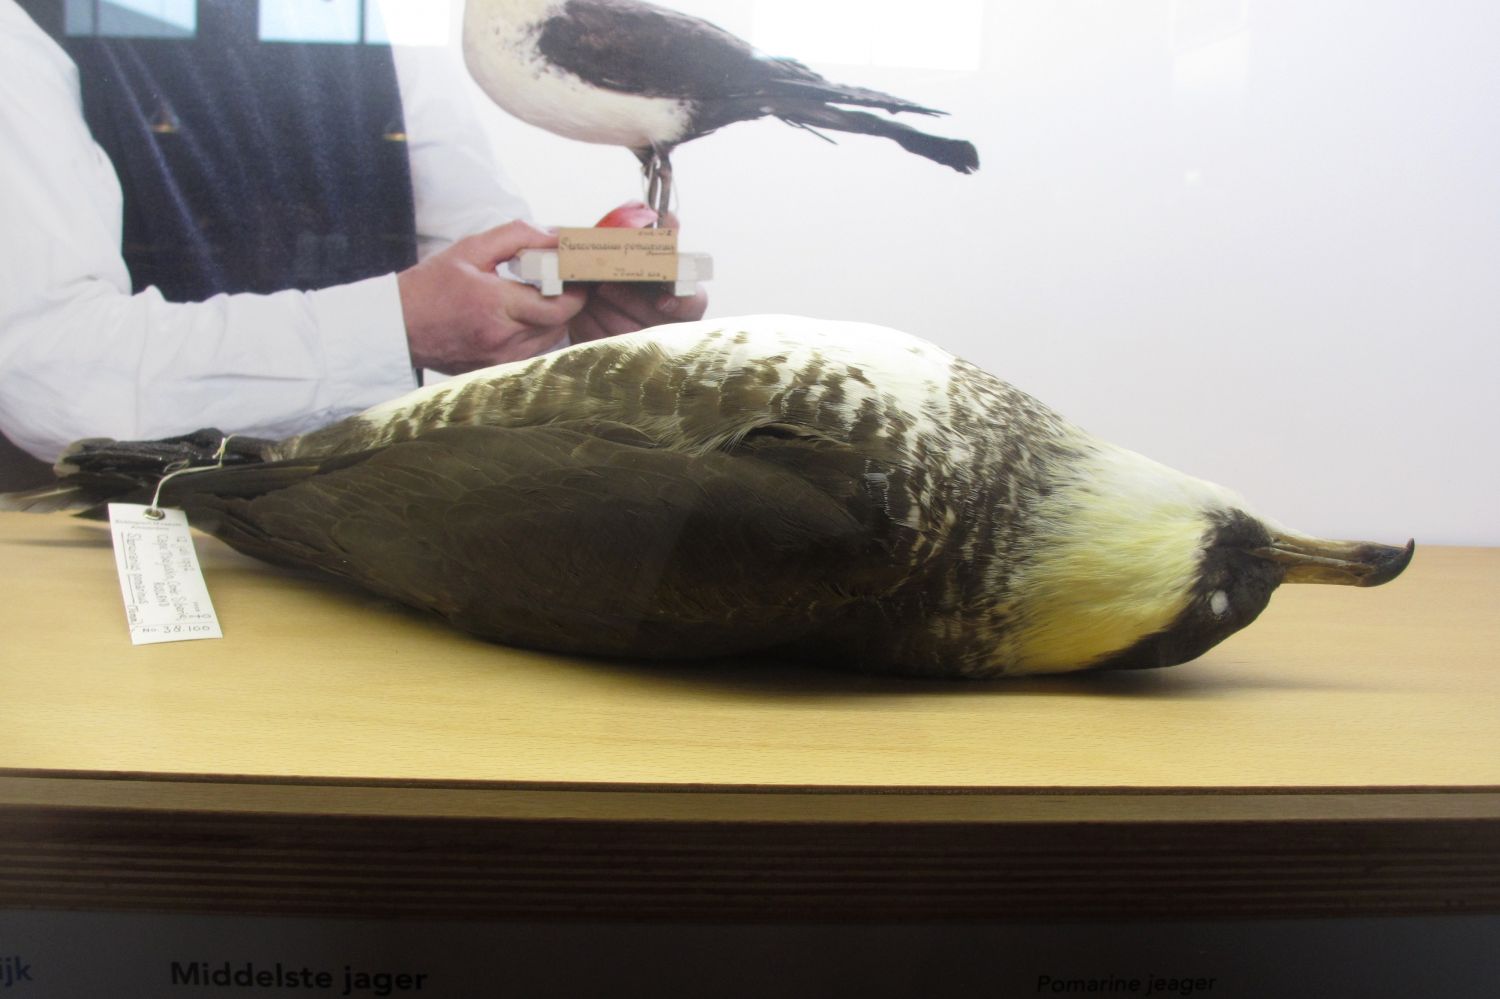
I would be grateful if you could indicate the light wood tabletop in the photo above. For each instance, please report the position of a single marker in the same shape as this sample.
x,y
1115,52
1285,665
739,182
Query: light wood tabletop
x,y
320,701
1334,686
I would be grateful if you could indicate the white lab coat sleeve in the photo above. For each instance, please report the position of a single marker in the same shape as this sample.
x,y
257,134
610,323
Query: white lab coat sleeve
x,y
459,188
80,356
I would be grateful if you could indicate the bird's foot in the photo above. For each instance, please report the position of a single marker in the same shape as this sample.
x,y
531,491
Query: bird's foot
x,y
659,186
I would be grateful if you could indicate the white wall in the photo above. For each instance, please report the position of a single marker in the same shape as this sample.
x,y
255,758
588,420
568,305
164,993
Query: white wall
x,y
1254,239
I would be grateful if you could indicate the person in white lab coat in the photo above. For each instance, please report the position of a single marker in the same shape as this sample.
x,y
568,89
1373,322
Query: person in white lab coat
x,y
265,291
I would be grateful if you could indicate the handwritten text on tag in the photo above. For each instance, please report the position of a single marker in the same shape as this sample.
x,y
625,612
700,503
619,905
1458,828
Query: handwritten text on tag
x,y
166,599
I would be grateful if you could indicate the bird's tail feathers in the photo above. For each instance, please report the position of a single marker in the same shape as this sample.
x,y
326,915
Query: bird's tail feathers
x,y
815,88
98,471
955,153
48,499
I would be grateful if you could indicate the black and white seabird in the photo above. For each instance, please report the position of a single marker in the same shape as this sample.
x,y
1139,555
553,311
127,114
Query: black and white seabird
x,y
627,73
769,485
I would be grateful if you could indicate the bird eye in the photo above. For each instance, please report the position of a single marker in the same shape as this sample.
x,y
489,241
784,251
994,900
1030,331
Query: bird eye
x,y
1219,603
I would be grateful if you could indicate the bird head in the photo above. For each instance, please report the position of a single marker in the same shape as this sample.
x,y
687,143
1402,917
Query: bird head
x,y
1136,566
1242,560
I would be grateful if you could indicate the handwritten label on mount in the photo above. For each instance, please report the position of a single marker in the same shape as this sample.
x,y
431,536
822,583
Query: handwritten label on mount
x,y
617,254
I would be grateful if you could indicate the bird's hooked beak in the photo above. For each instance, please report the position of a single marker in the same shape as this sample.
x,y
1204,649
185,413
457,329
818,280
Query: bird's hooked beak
x,y
1347,563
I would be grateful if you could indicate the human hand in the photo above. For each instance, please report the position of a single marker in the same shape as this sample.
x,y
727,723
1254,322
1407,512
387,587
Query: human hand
x,y
461,315
614,308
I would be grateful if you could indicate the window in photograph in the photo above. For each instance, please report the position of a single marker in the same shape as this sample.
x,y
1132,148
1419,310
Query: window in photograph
x,y
408,22
131,18
328,21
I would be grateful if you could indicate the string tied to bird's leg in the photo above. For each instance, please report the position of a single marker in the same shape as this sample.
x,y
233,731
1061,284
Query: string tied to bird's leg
x,y
182,467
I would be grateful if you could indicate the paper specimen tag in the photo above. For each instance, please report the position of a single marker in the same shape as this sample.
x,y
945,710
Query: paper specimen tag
x,y
617,254
166,599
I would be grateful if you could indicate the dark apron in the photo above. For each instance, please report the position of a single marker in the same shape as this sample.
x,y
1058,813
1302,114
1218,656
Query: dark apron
x,y
247,166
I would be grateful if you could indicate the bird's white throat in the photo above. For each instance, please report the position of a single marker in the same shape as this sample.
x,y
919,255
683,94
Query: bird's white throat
x,y
1114,554
499,41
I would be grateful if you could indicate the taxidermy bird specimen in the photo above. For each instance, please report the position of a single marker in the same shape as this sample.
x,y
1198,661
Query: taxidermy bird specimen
x,y
627,73
777,485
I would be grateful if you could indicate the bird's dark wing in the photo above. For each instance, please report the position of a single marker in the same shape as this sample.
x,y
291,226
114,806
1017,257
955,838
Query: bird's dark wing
x,y
583,540
641,49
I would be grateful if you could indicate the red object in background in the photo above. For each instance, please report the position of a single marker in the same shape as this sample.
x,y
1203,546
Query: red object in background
x,y
630,215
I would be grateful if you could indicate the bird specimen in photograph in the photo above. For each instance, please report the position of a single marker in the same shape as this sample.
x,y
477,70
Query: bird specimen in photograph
x,y
628,73
770,485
